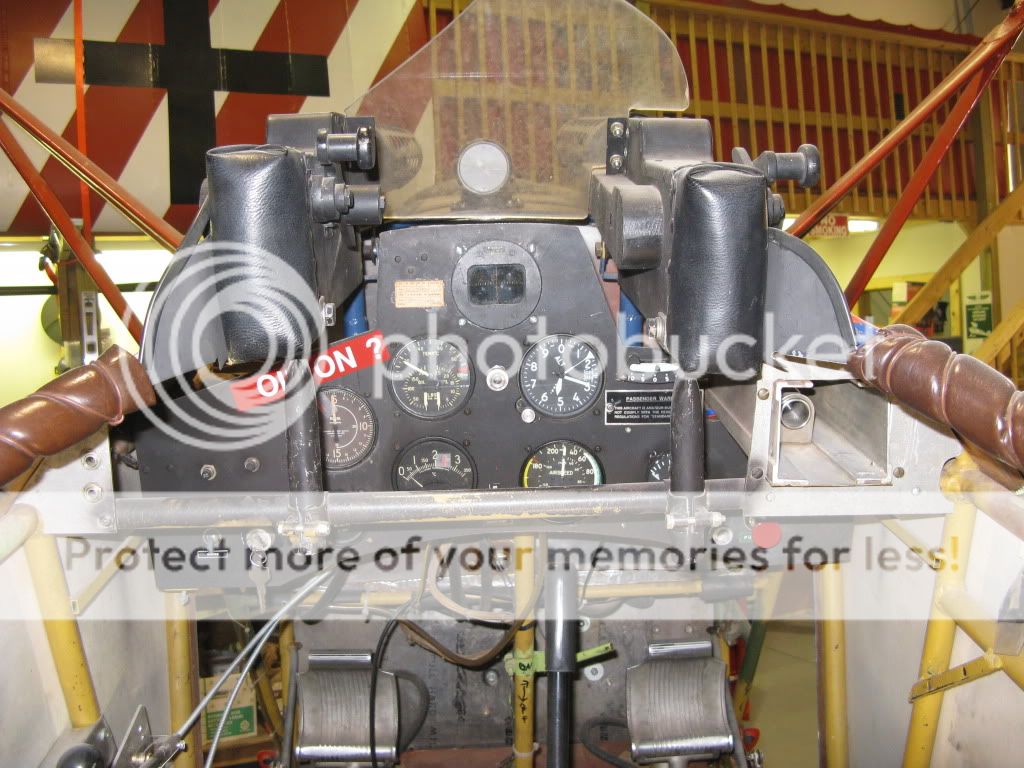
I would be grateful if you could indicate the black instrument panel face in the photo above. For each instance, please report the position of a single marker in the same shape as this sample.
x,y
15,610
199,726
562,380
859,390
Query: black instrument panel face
x,y
502,346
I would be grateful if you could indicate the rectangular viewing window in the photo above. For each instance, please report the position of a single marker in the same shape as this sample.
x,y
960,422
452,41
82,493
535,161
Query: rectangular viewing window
x,y
496,284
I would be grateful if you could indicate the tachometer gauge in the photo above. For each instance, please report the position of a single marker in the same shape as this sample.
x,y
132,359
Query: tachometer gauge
x,y
561,376
348,427
659,466
431,378
434,464
561,463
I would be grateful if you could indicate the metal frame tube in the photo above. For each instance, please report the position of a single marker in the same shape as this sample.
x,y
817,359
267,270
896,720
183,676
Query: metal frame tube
x,y
994,45
56,212
957,535
62,631
86,170
833,666
181,683
929,164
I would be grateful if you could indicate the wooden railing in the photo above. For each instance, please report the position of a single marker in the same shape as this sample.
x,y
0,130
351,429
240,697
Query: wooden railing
x,y
1004,348
772,81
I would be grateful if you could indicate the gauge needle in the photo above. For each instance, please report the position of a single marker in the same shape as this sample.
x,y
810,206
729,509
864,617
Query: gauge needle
x,y
575,365
562,473
558,386
575,381
417,369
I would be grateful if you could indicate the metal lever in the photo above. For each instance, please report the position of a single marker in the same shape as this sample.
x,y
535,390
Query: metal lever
x,y
802,166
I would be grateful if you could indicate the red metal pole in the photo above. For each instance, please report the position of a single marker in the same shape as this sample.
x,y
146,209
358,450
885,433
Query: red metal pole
x,y
996,44
922,176
89,172
83,146
60,218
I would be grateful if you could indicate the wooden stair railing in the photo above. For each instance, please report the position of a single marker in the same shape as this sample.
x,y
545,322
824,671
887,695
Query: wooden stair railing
x,y
979,239
1004,348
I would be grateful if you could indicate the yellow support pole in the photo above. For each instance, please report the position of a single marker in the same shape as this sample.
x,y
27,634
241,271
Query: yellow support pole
x,y
180,670
524,680
957,534
62,632
833,666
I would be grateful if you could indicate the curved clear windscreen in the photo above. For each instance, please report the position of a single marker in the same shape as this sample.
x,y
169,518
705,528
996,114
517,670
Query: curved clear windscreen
x,y
504,113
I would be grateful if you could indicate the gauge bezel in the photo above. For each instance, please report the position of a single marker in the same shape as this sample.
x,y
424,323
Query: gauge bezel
x,y
536,405
590,452
323,431
432,439
393,382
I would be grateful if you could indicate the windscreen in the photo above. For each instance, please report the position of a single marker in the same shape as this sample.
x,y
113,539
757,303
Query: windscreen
x,y
503,115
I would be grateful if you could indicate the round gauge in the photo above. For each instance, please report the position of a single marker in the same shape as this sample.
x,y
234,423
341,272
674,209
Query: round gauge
x,y
431,378
561,376
434,464
348,427
659,466
561,463
483,168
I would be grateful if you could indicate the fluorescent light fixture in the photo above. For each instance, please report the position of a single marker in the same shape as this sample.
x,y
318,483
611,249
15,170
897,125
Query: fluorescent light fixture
x,y
858,226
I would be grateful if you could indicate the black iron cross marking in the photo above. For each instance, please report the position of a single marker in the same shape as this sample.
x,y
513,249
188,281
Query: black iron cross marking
x,y
190,70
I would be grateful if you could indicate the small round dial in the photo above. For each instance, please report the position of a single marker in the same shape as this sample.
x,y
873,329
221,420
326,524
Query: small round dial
x,y
348,427
561,376
561,463
483,168
659,466
431,378
434,464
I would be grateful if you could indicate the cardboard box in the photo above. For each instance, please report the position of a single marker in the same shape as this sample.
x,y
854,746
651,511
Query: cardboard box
x,y
241,721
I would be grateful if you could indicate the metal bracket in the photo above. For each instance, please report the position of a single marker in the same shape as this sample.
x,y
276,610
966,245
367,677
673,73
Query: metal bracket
x,y
141,749
983,666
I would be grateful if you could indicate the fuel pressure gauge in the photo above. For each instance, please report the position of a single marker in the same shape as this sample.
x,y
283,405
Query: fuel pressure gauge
x,y
434,464
561,463
348,427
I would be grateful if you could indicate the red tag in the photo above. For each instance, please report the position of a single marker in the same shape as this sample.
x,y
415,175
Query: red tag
x,y
348,356
266,388
345,357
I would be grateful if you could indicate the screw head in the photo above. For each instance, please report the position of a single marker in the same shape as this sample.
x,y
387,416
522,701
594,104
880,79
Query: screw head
x,y
615,162
92,492
208,472
528,415
722,536
594,672
90,460
491,677
617,129
252,464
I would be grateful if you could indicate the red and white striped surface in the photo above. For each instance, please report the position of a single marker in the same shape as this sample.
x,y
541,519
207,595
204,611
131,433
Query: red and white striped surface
x,y
126,128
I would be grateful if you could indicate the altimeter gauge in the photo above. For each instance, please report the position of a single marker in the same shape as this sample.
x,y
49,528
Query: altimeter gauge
x,y
561,376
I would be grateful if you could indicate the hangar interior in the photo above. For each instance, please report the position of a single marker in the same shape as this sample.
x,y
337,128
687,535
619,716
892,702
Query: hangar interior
x,y
512,382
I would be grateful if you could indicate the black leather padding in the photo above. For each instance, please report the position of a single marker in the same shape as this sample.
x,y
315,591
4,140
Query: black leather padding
x,y
259,203
717,272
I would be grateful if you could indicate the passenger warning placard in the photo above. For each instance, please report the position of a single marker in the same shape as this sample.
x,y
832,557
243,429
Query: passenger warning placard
x,y
625,407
